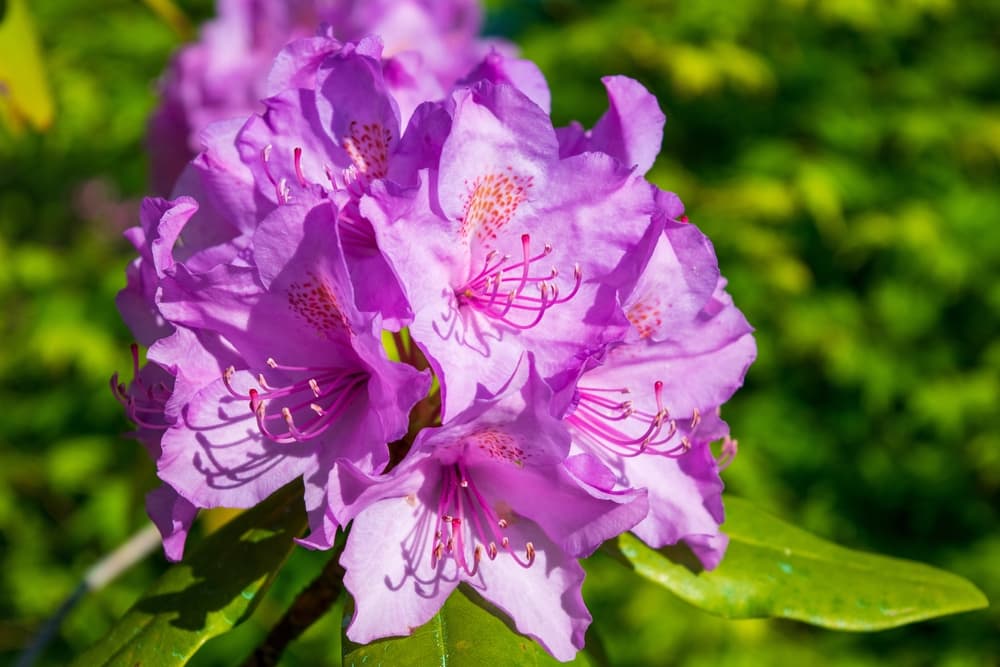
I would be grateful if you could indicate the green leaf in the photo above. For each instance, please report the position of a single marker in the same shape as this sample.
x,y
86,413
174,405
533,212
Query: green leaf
x,y
24,89
773,569
173,16
464,633
213,590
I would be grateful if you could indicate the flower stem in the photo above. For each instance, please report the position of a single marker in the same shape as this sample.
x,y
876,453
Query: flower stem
x,y
314,601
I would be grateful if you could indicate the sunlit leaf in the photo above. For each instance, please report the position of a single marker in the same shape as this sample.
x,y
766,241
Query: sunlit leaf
x,y
773,569
172,15
216,588
24,88
462,634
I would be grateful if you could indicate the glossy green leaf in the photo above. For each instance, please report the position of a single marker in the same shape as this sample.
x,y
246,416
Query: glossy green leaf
x,y
773,569
214,589
463,634
24,88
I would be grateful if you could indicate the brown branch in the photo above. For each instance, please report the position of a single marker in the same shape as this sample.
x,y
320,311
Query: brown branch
x,y
314,601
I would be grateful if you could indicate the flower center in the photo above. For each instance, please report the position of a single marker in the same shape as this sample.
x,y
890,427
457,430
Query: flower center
x,y
511,292
307,407
618,426
469,527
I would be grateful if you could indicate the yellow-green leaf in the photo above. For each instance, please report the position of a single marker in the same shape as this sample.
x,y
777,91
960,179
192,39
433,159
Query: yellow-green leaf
x,y
773,569
24,88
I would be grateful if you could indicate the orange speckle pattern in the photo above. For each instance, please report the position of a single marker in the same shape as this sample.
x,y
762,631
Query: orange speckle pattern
x,y
492,201
368,148
645,316
315,302
497,445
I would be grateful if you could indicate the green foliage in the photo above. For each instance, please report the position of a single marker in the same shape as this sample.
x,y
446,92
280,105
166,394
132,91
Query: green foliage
x,y
462,634
773,569
215,588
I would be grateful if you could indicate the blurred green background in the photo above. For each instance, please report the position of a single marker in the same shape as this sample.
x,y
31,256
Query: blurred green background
x,y
844,157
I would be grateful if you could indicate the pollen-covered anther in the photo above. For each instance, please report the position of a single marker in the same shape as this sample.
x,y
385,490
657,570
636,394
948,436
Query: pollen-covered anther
x,y
501,291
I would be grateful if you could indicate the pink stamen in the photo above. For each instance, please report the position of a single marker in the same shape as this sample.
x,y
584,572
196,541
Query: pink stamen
x,y
139,400
470,527
498,290
605,423
730,448
308,406
298,167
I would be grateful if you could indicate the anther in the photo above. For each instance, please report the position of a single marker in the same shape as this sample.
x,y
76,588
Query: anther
x,y
730,448
298,167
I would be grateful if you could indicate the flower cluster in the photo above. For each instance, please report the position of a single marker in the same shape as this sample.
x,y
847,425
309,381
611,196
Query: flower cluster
x,y
484,343
429,44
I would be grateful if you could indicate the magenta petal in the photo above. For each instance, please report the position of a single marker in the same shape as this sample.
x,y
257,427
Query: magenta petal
x,y
544,600
388,569
173,516
632,128
685,500
522,74
216,456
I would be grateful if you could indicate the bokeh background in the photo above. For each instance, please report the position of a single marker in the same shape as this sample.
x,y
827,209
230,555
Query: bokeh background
x,y
844,157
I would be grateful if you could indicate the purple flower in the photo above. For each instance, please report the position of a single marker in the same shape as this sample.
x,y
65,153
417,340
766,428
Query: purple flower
x,y
430,44
301,379
645,416
484,501
631,130
577,326
508,248
332,136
